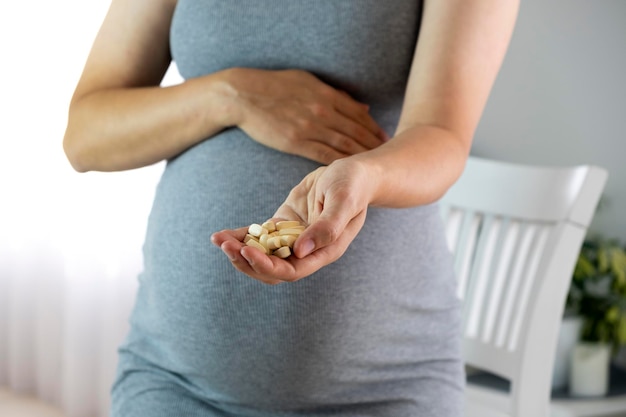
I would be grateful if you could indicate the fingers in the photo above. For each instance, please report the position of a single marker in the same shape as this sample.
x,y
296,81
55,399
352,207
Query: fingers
x,y
359,114
273,270
353,131
338,138
218,238
243,258
328,240
267,269
334,227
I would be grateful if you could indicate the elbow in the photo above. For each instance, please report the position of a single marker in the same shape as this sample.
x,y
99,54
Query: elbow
x,y
76,139
74,154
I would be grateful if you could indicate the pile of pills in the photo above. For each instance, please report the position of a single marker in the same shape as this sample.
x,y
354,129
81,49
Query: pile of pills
x,y
274,238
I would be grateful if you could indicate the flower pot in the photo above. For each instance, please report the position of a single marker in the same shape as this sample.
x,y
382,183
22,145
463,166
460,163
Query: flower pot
x,y
569,335
589,376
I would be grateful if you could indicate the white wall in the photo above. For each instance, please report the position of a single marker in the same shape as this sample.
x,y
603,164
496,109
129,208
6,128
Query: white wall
x,y
560,97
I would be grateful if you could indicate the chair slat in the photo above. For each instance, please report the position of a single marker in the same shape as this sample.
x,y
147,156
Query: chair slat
x,y
528,280
479,276
508,240
453,220
513,230
522,248
465,250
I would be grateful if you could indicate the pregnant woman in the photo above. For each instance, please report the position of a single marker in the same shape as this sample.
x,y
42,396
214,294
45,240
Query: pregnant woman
x,y
352,116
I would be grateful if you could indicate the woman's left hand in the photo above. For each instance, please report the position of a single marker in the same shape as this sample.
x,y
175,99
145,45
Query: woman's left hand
x,y
332,201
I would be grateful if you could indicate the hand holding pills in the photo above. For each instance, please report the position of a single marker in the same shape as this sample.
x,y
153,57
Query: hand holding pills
x,y
274,238
329,206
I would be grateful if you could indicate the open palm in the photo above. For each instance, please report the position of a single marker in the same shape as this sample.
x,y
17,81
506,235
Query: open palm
x,y
332,201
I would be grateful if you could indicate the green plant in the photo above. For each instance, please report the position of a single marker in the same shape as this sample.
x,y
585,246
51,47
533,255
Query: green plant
x,y
598,292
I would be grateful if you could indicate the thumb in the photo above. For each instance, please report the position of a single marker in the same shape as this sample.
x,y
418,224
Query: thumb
x,y
324,231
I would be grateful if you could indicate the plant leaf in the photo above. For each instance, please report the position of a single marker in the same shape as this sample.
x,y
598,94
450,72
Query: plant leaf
x,y
618,265
584,268
612,315
603,259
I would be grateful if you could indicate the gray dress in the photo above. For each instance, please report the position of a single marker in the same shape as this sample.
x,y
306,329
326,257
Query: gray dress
x,y
375,333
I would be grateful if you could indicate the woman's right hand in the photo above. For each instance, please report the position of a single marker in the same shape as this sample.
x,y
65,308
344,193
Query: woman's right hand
x,y
294,112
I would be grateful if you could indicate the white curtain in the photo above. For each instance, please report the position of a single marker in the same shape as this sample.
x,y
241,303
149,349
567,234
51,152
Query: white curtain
x,y
70,244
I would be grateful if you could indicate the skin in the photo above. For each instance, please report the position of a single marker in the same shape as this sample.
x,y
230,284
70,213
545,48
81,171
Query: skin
x,y
119,117
461,47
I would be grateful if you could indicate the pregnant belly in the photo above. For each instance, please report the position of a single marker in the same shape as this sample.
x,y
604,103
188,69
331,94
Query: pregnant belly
x,y
228,178
357,322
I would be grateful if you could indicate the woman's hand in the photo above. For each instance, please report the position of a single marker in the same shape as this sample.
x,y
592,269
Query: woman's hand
x,y
332,201
294,112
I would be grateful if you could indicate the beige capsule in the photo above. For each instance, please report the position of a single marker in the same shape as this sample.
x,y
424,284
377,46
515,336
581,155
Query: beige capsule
x,y
287,224
257,245
282,252
291,231
287,240
274,242
270,226
248,237
263,239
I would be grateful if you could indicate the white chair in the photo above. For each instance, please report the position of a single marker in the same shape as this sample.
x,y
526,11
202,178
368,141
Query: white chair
x,y
515,231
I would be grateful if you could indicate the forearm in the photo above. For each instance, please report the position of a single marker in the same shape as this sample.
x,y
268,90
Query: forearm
x,y
119,129
415,168
461,46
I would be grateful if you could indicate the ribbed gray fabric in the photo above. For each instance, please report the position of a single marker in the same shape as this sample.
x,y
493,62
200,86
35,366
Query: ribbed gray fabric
x,y
374,334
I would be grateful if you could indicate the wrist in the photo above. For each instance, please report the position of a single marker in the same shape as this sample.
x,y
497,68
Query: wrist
x,y
224,92
369,174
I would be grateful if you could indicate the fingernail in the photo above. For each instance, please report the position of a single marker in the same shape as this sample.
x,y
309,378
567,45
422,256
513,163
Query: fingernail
x,y
307,247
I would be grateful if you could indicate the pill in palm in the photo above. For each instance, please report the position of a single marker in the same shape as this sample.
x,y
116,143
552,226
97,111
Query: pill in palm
x,y
288,224
274,238
270,226
257,230
282,252
257,245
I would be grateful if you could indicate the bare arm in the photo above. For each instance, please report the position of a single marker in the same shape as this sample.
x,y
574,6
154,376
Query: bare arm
x,y
120,118
461,47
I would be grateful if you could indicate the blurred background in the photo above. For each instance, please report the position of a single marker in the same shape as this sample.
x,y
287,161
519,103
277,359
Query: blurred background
x,y
70,244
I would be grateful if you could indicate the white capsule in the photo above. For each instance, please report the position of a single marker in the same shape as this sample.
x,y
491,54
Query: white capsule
x,y
255,229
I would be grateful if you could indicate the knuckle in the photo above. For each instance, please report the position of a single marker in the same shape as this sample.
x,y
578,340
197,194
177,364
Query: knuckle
x,y
349,145
332,233
329,93
325,155
292,134
306,124
319,110
343,143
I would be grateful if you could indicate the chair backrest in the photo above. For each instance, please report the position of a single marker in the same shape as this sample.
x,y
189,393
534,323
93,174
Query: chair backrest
x,y
515,231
